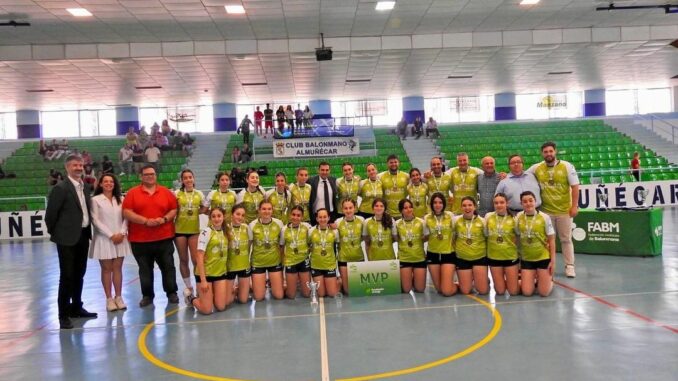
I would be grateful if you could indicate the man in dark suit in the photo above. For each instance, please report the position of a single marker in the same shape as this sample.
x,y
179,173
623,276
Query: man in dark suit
x,y
68,221
323,192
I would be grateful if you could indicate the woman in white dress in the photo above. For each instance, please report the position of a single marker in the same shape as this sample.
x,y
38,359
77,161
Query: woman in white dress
x,y
109,243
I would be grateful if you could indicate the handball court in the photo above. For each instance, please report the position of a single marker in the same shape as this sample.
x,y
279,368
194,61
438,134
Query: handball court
x,y
618,320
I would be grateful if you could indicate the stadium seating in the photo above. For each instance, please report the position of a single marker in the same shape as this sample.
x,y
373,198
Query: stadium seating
x,y
29,189
599,152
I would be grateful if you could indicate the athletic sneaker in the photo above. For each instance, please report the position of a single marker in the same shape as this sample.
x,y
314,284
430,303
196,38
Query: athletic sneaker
x,y
569,271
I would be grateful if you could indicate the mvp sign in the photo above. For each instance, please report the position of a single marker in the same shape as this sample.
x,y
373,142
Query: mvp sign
x,y
374,278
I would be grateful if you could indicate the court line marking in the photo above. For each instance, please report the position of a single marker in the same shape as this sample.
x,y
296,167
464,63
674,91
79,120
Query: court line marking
x,y
496,327
618,307
324,360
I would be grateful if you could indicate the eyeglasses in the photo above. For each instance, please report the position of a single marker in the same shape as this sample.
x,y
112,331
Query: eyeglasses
x,y
148,174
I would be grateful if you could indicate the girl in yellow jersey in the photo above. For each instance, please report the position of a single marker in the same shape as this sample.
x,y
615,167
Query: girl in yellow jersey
x,y
294,240
240,243
348,186
187,225
537,247
502,247
222,197
440,257
417,192
266,253
280,197
370,189
301,193
411,252
323,255
350,228
251,196
470,245
211,265
378,233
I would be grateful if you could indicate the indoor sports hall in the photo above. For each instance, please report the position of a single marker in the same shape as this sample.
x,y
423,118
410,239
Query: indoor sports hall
x,y
159,101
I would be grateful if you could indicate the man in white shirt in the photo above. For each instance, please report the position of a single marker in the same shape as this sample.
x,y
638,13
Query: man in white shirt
x,y
153,156
125,159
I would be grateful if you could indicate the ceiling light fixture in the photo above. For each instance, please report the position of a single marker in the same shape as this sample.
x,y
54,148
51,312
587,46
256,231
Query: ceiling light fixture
x,y
529,2
79,12
39,90
559,72
235,9
385,5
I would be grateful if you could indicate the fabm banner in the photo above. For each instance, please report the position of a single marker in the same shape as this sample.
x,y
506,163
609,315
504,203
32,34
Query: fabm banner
x,y
629,195
311,147
23,225
374,278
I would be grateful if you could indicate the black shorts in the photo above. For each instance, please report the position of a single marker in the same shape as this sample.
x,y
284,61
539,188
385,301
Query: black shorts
x,y
324,273
414,265
270,269
441,259
187,235
211,278
535,265
240,274
344,264
502,262
301,267
463,264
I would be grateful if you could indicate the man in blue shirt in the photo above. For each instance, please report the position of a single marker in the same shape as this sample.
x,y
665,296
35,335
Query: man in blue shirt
x,y
517,182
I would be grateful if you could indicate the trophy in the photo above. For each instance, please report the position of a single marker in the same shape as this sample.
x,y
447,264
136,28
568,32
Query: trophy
x,y
314,294
602,201
643,196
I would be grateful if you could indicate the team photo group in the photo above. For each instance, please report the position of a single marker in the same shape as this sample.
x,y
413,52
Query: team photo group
x,y
461,226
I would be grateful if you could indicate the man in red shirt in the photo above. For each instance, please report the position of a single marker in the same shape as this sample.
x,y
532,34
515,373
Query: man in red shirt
x,y
258,118
150,210
635,166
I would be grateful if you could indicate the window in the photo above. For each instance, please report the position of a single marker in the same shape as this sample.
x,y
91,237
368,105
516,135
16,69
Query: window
x,y
460,109
654,100
620,102
107,123
60,124
205,121
149,116
89,123
8,126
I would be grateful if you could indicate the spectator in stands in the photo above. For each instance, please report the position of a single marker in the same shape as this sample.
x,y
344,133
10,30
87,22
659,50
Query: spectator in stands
x,y
177,142
417,127
42,148
89,175
68,222
258,119
153,155
109,243
635,166
2,173
132,137
166,129
187,144
289,117
299,116
487,186
125,159
235,155
155,128
143,137
308,117
138,157
86,157
63,149
52,150
517,182
432,128
54,178
280,116
401,128
268,119
245,129
107,167
559,198
150,210
245,153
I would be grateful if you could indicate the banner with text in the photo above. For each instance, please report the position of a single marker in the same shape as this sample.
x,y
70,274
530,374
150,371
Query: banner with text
x,y
629,195
23,225
310,147
374,278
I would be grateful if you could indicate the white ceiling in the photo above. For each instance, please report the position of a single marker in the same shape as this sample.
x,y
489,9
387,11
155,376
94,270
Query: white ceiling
x,y
419,68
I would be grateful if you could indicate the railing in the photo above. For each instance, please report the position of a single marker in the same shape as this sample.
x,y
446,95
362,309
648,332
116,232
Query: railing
x,y
27,198
661,127
595,175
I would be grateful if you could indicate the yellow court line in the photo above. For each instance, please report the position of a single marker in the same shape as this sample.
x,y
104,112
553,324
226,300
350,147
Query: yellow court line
x,y
493,332
143,349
